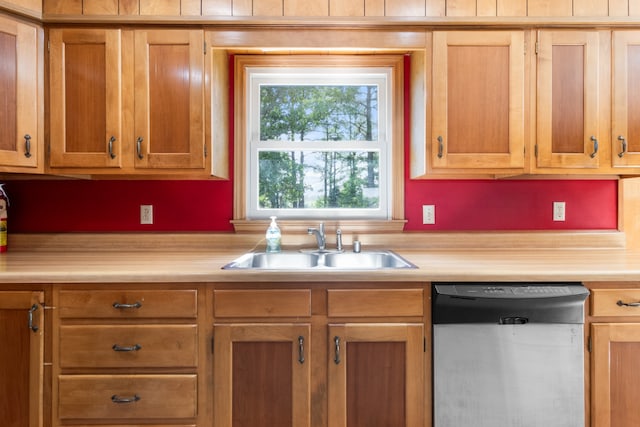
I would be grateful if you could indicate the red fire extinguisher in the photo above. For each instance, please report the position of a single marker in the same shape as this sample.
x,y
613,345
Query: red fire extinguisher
x,y
4,204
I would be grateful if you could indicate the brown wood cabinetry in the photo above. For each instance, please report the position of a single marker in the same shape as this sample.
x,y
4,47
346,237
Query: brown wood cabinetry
x,y
625,127
478,101
126,357
21,358
21,88
126,101
568,100
311,357
615,368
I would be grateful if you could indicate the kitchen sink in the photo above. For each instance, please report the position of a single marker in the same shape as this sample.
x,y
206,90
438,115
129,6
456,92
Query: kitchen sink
x,y
317,260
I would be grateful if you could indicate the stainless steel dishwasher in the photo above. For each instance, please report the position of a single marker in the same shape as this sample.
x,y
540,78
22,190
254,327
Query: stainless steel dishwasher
x,y
508,354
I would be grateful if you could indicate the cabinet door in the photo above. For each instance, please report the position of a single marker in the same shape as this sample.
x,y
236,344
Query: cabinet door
x,y
21,358
615,374
169,99
626,103
85,98
567,122
478,100
376,375
261,375
19,79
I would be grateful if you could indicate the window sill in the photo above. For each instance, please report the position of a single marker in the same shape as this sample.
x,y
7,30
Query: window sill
x,y
296,226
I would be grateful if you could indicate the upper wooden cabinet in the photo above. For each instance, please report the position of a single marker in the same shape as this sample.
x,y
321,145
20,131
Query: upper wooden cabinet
x,y
20,91
126,101
478,101
625,126
568,106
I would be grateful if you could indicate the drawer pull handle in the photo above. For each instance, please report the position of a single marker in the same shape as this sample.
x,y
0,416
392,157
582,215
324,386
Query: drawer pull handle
x,y
121,306
301,349
336,358
117,399
27,146
440,147
595,147
628,304
134,347
624,145
33,327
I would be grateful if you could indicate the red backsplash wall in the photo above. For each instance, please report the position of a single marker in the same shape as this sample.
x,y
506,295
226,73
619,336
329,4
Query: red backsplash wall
x,y
100,206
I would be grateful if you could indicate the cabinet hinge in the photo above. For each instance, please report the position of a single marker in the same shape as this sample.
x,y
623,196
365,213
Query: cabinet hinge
x,y
212,344
48,45
535,150
537,47
589,344
205,47
205,151
424,344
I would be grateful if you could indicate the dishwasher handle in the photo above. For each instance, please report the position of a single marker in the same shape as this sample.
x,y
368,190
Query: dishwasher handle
x,y
514,320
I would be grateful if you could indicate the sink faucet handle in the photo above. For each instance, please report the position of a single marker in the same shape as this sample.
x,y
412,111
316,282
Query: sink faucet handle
x,y
339,240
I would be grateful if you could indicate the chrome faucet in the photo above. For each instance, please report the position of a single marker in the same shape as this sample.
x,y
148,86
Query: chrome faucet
x,y
320,237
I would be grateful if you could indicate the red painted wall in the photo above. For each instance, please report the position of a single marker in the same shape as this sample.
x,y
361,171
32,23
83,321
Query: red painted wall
x,y
114,205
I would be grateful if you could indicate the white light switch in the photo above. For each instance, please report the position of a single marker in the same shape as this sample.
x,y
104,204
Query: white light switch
x,y
558,211
428,214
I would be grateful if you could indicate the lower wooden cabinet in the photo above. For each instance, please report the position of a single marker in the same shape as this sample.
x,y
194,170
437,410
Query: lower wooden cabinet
x,y
319,357
21,358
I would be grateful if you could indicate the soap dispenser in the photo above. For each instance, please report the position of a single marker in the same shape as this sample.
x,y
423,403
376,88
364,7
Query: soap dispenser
x,y
273,236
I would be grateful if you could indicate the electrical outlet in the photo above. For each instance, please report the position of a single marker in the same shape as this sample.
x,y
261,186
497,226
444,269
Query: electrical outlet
x,y
558,211
428,214
146,214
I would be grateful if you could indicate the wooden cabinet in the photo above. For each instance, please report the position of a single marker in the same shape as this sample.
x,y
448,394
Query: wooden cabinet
x,y
320,356
478,101
625,127
21,77
126,357
21,358
127,101
615,369
568,101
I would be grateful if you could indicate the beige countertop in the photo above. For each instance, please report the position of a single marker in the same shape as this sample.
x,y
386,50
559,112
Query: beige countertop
x,y
96,266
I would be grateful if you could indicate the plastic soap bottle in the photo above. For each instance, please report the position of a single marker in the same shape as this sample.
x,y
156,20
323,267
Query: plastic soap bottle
x,y
273,236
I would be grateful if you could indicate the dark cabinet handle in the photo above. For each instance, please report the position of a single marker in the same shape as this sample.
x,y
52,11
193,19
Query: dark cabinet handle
x,y
440,147
134,347
595,146
301,349
111,141
32,310
336,358
27,146
139,147
628,304
118,399
624,145
122,306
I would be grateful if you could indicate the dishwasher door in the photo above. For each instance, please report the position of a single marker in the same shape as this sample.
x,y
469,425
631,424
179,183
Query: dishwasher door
x,y
515,359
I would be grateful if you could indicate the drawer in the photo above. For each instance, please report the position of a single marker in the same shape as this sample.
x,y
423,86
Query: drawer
x,y
127,304
611,302
123,346
375,302
263,303
127,396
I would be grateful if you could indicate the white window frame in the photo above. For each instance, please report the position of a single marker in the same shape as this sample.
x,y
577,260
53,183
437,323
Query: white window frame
x,y
382,77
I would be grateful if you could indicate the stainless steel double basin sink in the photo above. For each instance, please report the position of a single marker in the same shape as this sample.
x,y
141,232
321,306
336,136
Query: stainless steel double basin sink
x,y
317,260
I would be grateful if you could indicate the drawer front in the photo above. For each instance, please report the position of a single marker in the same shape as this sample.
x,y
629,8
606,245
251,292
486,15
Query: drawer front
x,y
123,346
263,303
375,302
121,304
127,396
615,302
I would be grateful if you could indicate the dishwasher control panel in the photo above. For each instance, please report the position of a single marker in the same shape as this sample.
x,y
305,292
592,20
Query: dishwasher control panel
x,y
507,291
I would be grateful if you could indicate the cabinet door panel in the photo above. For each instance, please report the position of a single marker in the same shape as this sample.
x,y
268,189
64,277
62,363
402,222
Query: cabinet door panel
x,y
169,93
567,127
478,100
262,375
85,98
376,375
615,374
19,91
21,359
626,104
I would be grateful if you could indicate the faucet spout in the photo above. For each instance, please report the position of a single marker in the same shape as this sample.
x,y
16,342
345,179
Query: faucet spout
x,y
320,236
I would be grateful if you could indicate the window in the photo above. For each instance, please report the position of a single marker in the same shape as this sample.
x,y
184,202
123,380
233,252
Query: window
x,y
318,136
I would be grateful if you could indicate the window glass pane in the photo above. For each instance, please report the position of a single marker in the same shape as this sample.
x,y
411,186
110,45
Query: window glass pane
x,y
319,179
318,113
